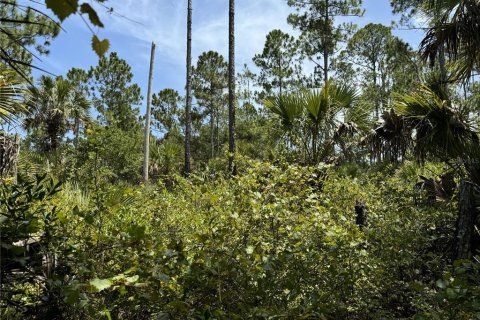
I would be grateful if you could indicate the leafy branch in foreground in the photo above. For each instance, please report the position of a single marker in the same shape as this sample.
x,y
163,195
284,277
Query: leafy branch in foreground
x,y
22,24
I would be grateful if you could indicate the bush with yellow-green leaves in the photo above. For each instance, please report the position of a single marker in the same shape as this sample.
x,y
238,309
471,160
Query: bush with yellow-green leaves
x,y
275,242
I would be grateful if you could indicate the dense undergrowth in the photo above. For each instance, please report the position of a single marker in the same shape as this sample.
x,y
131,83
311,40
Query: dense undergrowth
x,y
278,241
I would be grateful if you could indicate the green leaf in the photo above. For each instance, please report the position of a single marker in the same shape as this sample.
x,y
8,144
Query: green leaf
x,y
92,14
137,232
72,295
76,211
163,316
100,284
100,47
133,279
106,313
441,284
17,250
451,294
89,219
179,306
62,8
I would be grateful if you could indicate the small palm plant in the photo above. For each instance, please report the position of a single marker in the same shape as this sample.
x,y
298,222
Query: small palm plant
x,y
311,118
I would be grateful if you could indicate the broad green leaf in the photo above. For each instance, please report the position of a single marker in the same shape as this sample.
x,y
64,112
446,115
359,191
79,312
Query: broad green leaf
x,y
441,284
92,14
100,47
62,8
100,284
451,294
132,279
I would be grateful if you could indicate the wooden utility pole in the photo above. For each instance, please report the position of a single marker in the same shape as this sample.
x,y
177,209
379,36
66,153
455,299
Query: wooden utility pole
x,y
188,106
231,89
146,146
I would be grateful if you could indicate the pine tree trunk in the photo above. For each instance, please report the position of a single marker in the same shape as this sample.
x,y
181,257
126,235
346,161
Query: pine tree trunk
x,y
377,108
212,133
231,90
217,129
466,221
146,142
326,44
188,106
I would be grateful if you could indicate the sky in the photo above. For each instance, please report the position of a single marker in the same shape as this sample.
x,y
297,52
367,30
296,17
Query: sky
x,y
136,23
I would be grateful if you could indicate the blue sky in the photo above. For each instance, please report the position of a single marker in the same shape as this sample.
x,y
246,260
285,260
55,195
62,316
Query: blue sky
x,y
164,21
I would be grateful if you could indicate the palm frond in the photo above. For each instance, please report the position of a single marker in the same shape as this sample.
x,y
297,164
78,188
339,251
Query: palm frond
x,y
343,96
457,29
439,129
325,104
391,138
287,107
316,103
361,115
12,93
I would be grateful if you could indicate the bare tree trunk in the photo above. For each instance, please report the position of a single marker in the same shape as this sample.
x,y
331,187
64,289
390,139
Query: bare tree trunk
x,y
217,129
231,89
326,47
212,133
466,221
146,142
188,106
280,85
377,102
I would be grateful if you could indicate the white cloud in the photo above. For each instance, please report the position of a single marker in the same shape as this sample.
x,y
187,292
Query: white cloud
x,y
164,21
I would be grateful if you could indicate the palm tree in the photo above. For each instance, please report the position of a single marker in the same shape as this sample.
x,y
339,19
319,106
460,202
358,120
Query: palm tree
x,y
57,107
442,131
390,139
457,29
440,128
188,106
11,95
231,89
314,115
